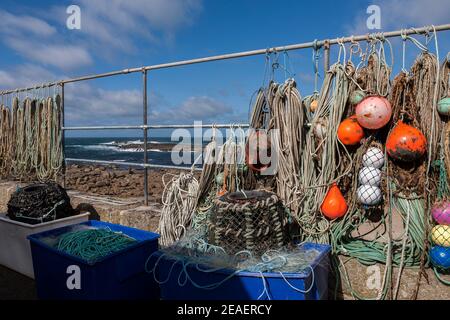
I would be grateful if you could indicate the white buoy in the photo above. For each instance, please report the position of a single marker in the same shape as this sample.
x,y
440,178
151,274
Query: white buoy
x,y
369,195
370,176
374,157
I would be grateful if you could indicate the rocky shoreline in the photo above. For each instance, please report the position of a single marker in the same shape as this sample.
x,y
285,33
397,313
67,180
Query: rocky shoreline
x,y
165,147
152,146
116,181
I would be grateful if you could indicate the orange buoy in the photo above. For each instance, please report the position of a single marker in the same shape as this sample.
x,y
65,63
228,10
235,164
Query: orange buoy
x,y
258,151
406,143
350,131
313,106
334,205
373,112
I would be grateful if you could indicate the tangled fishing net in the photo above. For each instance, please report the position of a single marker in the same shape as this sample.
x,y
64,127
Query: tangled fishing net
x,y
38,203
92,245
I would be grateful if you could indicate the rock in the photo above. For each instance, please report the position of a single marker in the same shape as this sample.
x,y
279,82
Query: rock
x,y
105,175
100,184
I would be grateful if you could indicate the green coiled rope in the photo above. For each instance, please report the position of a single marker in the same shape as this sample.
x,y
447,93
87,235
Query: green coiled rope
x,y
93,244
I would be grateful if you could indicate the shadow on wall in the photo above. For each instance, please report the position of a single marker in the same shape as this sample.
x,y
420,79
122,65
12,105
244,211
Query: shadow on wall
x,y
87,207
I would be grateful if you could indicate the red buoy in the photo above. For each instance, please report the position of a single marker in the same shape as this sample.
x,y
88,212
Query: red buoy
x,y
406,143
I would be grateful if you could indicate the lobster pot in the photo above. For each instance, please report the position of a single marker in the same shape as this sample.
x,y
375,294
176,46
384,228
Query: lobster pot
x,y
248,220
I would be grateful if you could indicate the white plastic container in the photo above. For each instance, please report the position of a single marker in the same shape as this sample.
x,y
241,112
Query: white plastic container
x,y
15,252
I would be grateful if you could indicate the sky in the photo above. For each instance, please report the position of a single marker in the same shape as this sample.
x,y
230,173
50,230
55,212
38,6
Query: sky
x,y
36,46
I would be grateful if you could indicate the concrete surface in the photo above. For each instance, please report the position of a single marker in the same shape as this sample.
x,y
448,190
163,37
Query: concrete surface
x,y
364,281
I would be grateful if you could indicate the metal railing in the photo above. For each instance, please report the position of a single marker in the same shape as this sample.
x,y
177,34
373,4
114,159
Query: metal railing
x,y
326,44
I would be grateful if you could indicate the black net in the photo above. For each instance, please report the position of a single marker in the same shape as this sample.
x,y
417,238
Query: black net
x,y
39,203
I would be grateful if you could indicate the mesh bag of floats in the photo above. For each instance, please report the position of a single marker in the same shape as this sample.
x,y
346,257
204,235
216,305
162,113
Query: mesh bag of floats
x,y
248,220
38,203
440,239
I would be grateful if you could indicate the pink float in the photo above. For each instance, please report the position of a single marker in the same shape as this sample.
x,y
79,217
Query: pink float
x,y
373,112
441,212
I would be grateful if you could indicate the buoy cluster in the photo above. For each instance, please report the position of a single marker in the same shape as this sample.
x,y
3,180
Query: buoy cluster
x,y
404,143
371,113
440,235
369,178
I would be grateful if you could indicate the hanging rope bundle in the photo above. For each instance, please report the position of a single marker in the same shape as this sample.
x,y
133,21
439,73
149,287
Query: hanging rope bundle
x,y
207,189
288,135
179,201
445,78
32,139
5,141
375,76
425,74
322,155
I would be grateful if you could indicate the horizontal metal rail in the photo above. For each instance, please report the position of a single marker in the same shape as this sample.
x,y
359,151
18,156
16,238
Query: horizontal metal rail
x,y
132,164
312,44
163,126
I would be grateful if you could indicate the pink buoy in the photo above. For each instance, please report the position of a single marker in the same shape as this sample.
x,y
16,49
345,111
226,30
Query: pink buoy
x,y
441,212
373,112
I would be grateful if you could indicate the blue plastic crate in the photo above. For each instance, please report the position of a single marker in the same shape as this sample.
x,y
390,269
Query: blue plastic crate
x,y
120,275
311,284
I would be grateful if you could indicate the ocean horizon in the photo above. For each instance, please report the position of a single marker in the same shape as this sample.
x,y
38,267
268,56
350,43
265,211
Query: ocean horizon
x,y
122,149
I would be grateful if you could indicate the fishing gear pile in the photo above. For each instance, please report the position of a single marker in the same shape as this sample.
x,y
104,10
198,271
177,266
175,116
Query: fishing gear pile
x,y
344,162
31,139
38,203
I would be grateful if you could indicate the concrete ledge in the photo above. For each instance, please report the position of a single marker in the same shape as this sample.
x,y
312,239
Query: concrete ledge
x,y
364,281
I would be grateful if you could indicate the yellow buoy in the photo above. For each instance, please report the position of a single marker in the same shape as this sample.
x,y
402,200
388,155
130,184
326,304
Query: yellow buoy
x,y
440,235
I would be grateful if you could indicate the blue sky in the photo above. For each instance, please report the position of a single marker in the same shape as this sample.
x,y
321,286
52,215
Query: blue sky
x,y
37,47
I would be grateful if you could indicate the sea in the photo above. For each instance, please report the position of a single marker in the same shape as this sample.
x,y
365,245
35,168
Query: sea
x,y
116,149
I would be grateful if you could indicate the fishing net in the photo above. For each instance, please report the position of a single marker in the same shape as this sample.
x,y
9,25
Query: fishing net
x,y
247,220
194,254
38,203
92,245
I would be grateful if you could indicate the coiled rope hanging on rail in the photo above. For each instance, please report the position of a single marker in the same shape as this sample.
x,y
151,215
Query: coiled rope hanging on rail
x,y
288,138
31,139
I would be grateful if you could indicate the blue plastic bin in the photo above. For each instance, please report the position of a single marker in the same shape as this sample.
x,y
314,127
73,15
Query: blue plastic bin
x,y
312,284
120,275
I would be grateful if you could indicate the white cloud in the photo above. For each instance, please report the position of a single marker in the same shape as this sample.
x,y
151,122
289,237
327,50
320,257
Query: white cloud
x,y
14,24
193,108
122,24
109,29
38,41
404,14
25,75
91,106
57,55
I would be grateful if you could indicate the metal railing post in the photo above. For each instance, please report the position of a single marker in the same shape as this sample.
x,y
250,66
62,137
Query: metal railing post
x,y
326,56
63,136
145,131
